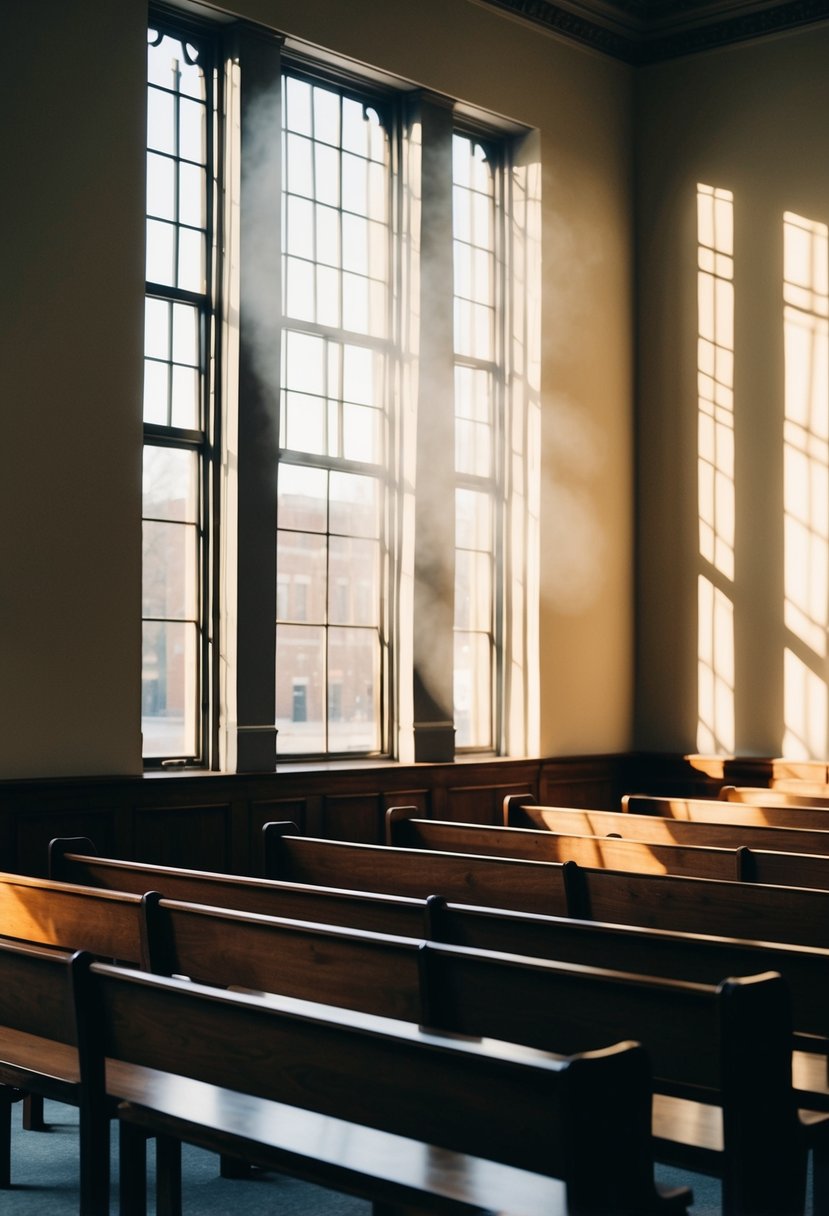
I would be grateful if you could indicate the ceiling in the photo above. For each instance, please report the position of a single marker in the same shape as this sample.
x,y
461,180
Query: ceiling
x,y
647,31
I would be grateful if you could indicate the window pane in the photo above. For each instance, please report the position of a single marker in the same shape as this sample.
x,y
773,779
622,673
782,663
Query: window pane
x,y
192,195
299,236
304,363
170,484
354,126
473,690
170,589
156,392
473,590
186,405
354,574
355,505
161,187
299,166
327,116
168,689
191,260
353,690
300,684
305,423
302,501
473,520
300,558
161,120
299,289
328,235
161,252
192,130
362,434
157,328
186,334
298,106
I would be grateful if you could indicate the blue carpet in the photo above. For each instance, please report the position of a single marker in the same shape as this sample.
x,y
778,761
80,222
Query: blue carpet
x,y
45,1181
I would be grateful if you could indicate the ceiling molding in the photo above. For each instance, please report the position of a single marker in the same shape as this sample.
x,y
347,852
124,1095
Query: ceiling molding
x,y
649,31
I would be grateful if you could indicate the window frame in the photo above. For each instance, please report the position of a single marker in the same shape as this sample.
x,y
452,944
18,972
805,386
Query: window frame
x,y
203,441
261,56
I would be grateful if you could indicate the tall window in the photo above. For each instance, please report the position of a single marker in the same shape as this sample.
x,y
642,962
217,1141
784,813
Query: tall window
x,y
177,335
478,376
336,350
306,393
715,468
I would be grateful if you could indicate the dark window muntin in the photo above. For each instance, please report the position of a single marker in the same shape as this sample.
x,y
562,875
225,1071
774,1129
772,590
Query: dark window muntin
x,y
205,440
388,106
497,147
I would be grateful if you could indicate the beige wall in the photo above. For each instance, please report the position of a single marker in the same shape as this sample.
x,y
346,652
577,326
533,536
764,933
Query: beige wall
x,y
70,514
72,316
750,119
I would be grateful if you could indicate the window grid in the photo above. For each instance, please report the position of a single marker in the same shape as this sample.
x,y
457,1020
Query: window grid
x,y
716,493
332,484
177,315
477,220
806,483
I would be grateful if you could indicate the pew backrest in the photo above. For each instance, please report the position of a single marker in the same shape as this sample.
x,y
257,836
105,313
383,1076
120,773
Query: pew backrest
x,y
532,886
74,860
404,829
109,924
666,901
517,998
740,863
659,829
699,1036
815,798
712,810
357,1071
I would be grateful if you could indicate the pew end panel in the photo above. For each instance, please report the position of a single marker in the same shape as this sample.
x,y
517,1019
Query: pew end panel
x,y
273,834
47,1049
59,846
395,815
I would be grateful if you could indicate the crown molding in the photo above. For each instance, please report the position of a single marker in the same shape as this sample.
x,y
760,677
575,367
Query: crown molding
x,y
650,31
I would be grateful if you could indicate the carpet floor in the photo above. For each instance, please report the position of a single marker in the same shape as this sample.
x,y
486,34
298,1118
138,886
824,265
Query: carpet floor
x,y
45,1181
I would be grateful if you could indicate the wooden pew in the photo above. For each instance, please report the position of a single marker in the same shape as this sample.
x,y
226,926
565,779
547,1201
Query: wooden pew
x,y
108,924
45,1049
520,812
74,860
665,901
814,796
489,881
493,881
712,810
503,996
741,863
406,830
755,911
358,1103
677,954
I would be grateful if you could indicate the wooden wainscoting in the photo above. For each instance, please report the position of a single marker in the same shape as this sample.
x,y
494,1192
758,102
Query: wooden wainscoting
x,y
213,821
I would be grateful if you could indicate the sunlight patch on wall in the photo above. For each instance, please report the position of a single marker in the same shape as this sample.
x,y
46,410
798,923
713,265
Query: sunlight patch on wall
x,y
715,467
806,482
805,710
715,666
